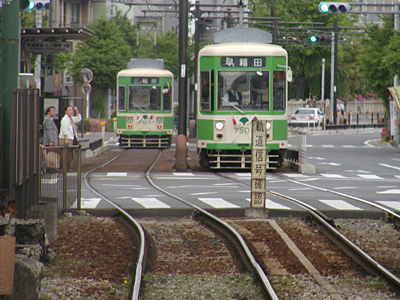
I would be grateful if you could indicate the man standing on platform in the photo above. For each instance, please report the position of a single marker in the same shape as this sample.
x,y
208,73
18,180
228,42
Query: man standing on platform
x,y
50,130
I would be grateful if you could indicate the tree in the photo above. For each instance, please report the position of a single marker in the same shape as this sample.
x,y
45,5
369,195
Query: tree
x,y
105,54
376,59
304,57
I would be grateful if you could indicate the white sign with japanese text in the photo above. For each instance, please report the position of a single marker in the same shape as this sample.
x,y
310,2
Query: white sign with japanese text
x,y
258,163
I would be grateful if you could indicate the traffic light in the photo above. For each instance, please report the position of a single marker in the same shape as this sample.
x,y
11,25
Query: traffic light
x,y
28,5
313,39
334,7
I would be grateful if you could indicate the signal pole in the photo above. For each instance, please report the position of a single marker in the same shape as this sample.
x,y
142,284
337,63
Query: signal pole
x,y
10,54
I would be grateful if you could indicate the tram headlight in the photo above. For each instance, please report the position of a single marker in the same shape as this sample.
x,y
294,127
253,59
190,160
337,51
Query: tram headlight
x,y
219,125
129,119
159,120
268,125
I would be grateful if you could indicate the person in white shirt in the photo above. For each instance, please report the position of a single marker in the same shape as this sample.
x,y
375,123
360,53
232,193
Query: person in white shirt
x,y
68,131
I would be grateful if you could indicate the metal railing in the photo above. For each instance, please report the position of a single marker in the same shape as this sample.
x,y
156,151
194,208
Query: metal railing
x,y
60,175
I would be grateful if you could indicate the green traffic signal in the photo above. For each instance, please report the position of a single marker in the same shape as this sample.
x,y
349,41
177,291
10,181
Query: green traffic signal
x,y
323,7
313,39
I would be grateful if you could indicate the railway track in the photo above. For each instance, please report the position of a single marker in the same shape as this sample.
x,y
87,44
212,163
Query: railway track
x,y
234,239
328,227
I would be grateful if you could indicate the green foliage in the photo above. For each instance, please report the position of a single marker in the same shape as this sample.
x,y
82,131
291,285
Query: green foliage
x,y
375,62
94,125
105,54
305,57
98,104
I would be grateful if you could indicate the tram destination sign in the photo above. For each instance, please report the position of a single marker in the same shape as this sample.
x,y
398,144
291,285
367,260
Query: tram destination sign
x,y
48,47
144,80
242,62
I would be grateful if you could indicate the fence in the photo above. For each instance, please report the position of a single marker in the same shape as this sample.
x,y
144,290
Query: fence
x,y
60,175
24,146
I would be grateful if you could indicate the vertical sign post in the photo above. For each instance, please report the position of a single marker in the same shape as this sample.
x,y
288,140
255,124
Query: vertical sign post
x,y
258,163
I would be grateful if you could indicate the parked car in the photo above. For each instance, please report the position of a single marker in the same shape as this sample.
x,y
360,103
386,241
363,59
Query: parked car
x,y
309,116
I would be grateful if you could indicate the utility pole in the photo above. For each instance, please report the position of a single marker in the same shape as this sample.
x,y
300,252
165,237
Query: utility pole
x,y
10,54
197,15
396,79
332,90
335,80
323,82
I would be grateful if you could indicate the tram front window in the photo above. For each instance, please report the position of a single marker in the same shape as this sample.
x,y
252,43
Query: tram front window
x,y
144,98
244,90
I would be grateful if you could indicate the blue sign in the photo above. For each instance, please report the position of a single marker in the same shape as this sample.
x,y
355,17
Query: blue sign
x,y
243,62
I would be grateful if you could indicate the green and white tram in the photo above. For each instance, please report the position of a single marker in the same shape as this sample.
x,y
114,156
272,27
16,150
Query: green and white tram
x,y
238,82
145,105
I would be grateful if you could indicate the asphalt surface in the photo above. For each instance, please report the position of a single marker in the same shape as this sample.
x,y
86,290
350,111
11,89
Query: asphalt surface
x,y
351,167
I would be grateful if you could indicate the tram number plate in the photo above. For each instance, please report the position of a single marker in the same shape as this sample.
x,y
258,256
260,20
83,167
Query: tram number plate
x,y
242,130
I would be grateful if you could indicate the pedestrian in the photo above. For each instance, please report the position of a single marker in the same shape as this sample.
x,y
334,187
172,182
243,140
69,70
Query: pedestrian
x,y
68,133
50,130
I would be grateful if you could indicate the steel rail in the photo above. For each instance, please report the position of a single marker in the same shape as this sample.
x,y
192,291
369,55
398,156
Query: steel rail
x,y
211,219
380,207
342,241
140,262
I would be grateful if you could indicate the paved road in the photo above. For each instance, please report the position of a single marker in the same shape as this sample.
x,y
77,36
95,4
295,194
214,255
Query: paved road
x,y
347,164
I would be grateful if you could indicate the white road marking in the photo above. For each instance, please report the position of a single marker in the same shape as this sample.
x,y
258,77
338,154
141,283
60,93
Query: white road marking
x,y
243,174
328,146
390,166
272,205
295,175
392,204
218,203
392,191
346,188
205,193
333,175
87,203
367,176
348,146
316,157
331,164
183,174
150,203
117,174
340,205
120,185
225,184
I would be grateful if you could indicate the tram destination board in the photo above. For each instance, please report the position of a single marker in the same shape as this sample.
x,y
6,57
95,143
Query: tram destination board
x,y
144,80
258,163
242,62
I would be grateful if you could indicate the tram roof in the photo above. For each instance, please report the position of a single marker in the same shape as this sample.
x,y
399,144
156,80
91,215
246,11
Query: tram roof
x,y
243,49
150,72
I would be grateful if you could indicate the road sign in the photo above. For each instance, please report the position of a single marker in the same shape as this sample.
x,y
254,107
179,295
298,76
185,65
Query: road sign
x,y
258,163
86,75
47,47
86,88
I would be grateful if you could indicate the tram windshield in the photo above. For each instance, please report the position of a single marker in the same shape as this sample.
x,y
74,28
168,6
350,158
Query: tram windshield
x,y
144,98
244,90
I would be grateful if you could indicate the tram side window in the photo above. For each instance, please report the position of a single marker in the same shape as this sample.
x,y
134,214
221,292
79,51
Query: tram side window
x,y
206,90
121,98
279,102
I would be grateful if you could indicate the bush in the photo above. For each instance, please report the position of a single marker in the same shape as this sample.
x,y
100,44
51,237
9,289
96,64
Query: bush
x,y
94,125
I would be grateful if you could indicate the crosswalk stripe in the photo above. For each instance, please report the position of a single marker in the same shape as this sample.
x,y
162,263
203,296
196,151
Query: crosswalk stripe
x,y
117,174
272,205
183,174
328,146
340,205
392,204
295,175
368,176
333,175
150,203
397,176
391,191
218,203
87,203
205,193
